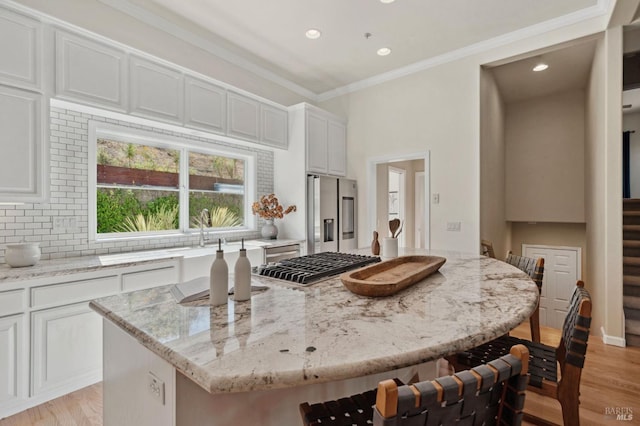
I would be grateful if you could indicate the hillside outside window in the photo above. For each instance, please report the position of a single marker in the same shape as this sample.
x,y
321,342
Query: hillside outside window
x,y
148,187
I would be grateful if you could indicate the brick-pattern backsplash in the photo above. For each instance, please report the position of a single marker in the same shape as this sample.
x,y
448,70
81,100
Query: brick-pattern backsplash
x,y
68,201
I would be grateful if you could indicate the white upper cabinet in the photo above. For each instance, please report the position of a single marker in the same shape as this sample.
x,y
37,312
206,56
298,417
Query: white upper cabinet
x,y
316,143
156,90
336,148
205,105
244,117
20,51
23,148
275,126
326,142
90,72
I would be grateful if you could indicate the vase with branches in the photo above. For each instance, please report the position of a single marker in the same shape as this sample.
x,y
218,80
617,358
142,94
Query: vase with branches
x,y
269,208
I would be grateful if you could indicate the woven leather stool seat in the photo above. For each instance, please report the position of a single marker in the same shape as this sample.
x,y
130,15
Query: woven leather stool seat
x,y
355,410
491,394
542,358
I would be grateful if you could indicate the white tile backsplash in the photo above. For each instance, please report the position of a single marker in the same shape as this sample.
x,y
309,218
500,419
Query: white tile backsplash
x,y
68,199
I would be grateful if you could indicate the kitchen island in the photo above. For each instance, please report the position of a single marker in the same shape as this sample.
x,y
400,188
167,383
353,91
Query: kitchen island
x,y
252,362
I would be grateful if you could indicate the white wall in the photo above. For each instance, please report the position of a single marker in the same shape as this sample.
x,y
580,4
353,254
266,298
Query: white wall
x,y
603,186
544,142
493,223
437,110
632,122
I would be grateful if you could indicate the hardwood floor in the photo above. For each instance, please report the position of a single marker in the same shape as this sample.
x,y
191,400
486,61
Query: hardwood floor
x,y
80,408
610,380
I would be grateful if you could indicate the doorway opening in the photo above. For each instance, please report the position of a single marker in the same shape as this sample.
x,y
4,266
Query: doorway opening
x,y
398,188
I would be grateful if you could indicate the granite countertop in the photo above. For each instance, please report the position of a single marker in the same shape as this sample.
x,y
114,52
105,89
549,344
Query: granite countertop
x,y
289,335
73,265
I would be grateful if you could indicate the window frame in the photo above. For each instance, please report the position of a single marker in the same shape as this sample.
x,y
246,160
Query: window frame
x,y
184,146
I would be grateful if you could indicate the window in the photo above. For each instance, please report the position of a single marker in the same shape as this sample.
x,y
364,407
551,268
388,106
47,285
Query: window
x,y
147,184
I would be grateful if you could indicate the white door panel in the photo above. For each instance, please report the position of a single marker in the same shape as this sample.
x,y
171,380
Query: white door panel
x,y
561,270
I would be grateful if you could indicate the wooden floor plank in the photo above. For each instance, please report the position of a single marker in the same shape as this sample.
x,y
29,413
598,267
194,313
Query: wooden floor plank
x,y
610,379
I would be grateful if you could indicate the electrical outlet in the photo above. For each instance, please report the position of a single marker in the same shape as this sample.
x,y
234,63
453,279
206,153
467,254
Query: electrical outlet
x,y
64,223
155,387
453,226
436,198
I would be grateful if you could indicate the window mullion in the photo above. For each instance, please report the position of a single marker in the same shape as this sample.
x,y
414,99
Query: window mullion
x,y
184,190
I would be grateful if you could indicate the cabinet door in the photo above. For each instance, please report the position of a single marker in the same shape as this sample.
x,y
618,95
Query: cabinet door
x,y
156,91
12,358
275,126
205,105
316,143
66,347
22,163
90,72
244,117
20,50
337,149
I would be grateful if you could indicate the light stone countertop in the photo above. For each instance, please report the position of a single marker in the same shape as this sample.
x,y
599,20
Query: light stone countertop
x,y
291,335
74,265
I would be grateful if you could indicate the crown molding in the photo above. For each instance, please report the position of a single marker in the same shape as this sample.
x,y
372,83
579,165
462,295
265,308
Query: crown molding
x,y
600,9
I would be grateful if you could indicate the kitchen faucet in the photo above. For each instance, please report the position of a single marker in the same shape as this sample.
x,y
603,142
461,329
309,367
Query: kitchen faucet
x,y
204,216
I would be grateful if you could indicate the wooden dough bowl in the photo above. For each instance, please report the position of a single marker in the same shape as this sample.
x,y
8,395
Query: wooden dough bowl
x,y
389,277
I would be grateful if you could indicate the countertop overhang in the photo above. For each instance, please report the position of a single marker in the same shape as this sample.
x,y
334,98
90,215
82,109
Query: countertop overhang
x,y
290,335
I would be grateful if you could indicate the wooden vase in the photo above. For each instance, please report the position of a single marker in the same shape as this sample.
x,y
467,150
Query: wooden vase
x,y
375,245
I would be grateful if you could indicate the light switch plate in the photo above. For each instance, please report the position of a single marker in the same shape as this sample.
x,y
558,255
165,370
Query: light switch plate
x,y
155,387
453,226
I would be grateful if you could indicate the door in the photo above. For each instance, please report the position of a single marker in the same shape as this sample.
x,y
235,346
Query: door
x,y
561,271
12,357
397,198
419,210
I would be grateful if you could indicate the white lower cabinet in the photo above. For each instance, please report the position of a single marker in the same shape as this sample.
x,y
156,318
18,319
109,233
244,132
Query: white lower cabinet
x,y
12,359
66,346
51,340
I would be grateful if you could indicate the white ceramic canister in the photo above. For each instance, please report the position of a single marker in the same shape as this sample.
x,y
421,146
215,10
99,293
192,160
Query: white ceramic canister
x,y
389,247
22,254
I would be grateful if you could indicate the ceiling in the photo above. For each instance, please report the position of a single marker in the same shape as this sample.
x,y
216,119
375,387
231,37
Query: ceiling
x,y
270,34
569,69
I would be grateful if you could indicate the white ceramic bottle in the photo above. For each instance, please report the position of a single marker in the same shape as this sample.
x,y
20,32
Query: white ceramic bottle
x,y
242,276
219,279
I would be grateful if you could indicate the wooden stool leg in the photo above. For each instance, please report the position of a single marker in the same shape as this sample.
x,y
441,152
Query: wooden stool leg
x,y
534,323
570,409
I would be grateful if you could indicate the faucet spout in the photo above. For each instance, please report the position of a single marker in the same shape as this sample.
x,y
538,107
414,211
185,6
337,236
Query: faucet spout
x,y
204,217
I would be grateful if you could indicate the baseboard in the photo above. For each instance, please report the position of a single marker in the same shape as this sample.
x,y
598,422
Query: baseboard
x,y
612,340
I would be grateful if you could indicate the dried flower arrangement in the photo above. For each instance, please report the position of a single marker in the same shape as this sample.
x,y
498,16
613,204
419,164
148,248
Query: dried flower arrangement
x,y
268,207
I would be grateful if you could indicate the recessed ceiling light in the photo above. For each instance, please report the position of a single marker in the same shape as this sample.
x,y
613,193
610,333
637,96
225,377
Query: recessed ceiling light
x,y
313,34
384,51
387,1
540,67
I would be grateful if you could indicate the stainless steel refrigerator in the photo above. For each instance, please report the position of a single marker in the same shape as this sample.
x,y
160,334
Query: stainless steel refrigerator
x,y
331,214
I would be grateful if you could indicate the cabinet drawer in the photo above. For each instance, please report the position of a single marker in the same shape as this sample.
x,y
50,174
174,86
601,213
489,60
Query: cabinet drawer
x,y
12,302
73,291
147,279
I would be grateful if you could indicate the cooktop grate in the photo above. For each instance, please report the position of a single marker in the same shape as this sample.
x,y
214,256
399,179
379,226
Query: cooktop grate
x,y
313,267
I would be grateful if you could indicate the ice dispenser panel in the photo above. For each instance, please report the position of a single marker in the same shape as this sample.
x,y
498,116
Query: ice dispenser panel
x,y
328,230
348,218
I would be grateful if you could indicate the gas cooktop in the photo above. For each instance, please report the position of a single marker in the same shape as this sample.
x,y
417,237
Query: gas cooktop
x,y
313,267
